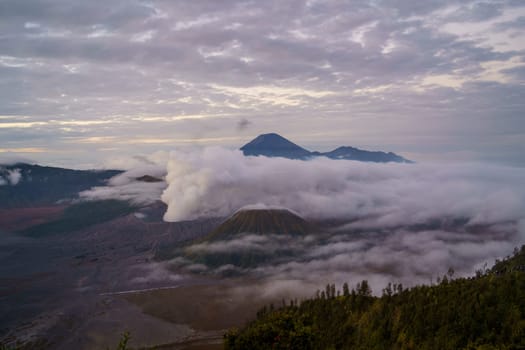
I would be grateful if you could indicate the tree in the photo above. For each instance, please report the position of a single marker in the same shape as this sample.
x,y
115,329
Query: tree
x,y
364,289
346,291
484,312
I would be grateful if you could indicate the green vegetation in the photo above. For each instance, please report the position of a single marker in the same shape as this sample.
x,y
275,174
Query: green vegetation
x,y
123,343
482,312
82,215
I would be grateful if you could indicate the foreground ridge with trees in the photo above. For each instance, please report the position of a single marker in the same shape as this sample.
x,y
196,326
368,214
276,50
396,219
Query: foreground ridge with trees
x,y
483,312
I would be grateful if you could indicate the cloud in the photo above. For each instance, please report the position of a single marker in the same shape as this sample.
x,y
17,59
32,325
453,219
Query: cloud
x,y
10,176
247,243
275,289
128,186
337,71
380,256
157,158
243,124
217,182
396,255
405,223
153,273
14,176
10,159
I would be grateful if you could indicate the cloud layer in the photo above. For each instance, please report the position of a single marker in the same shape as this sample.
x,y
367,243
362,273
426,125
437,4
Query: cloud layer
x,y
399,255
405,223
425,79
216,182
128,186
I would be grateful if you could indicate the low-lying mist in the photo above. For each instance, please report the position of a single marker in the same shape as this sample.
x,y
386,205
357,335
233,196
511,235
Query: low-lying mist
x,y
405,223
216,182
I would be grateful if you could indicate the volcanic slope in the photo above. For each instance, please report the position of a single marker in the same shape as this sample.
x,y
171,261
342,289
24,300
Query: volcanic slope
x,y
249,238
261,221
274,145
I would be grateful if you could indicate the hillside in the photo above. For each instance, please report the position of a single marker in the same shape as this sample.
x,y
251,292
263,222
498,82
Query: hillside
x,y
483,312
28,185
261,221
249,238
81,215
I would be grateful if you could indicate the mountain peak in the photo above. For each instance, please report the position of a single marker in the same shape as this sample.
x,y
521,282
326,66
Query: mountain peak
x,y
270,135
274,145
262,221
347,152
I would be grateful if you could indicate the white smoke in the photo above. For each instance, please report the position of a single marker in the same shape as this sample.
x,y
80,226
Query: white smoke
x,y
217,182
127,186
14,176
10,176
401,222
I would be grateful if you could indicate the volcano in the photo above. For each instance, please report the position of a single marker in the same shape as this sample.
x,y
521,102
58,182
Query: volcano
x,y
262,221
250,238
274,145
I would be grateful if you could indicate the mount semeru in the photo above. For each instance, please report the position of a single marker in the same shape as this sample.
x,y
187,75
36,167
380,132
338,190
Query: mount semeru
x,y
274,145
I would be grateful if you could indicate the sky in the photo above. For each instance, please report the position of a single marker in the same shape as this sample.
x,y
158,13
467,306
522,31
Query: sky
x,y
84,82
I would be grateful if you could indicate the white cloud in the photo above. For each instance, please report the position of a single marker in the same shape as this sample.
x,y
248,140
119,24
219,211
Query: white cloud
x,y
380,256
127,185
154,273
391,74
246,243
217,182
14,176
405,223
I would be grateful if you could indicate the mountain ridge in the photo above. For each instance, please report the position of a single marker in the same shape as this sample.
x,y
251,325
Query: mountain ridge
x,y
275,145
24,184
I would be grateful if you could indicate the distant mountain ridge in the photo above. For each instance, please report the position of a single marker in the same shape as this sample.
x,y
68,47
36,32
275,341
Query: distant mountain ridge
x,y
274,145
37,185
